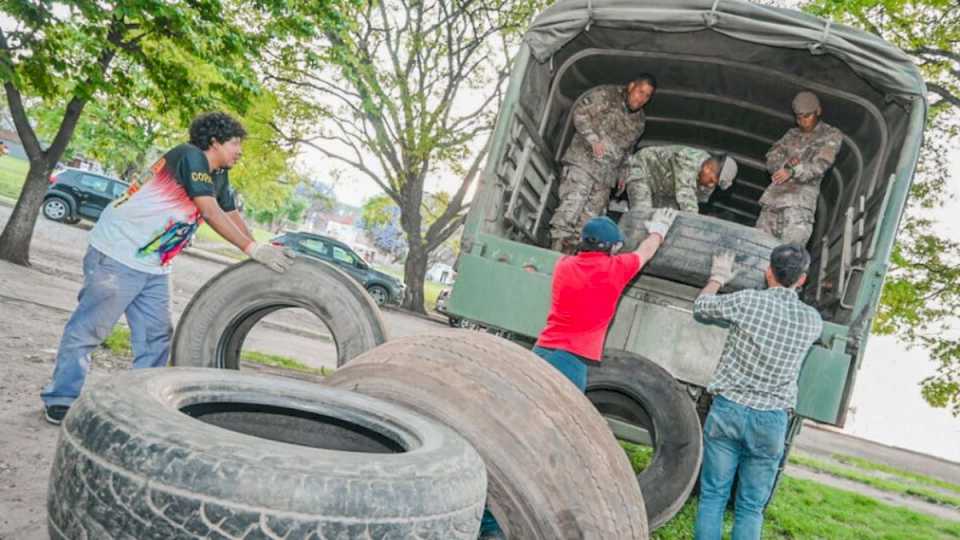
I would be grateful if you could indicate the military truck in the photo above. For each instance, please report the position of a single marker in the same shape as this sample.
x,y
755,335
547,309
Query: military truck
x,y
727,71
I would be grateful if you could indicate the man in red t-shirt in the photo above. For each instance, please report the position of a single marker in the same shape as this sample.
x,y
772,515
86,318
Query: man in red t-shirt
x,y
586,289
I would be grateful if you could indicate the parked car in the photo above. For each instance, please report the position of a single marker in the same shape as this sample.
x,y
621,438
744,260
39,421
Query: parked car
x,y
74,194
384,289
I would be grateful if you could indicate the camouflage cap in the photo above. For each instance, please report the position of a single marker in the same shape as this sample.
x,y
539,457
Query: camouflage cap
x,y
805,103
728,171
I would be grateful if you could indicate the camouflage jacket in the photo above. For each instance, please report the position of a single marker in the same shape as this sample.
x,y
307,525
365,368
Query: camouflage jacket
x,y
816,151
666,177
601,115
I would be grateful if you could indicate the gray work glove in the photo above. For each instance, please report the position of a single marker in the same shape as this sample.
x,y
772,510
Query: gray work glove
x,y
723,269
273,257
661,221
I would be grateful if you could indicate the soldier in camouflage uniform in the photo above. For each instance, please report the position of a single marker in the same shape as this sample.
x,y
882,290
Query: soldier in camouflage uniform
x,y
675,177
797,163
608,120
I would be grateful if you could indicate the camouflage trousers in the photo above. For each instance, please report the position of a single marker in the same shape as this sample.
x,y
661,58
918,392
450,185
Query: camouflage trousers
x,y
581,197
792,225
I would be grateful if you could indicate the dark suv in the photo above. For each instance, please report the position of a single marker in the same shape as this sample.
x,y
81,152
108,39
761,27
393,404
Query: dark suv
x,y
75,194
384,289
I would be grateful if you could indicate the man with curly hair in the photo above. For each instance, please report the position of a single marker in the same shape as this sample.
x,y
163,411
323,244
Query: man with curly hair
x,y
127,265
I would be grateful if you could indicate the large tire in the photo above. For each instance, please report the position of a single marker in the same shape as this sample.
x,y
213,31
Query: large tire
x,y
554,469
221,314
263,457
634,390
687,253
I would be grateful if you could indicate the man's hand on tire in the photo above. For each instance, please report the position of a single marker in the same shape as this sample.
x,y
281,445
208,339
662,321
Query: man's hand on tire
x,y
723,269
273,257
661,221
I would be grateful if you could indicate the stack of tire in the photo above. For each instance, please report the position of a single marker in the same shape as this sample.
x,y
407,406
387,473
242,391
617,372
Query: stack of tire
x,y
413,438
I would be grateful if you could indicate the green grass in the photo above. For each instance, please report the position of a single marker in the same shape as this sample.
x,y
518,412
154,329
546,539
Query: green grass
x,y
431,289
866,465
891,486
804,509
13,172
118,343
638,455
284,362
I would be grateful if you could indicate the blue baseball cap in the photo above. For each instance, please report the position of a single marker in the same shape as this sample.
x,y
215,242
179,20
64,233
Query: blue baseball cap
x,y
601,230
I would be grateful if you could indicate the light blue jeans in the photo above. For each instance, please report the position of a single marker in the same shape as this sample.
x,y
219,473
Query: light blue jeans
x,y
738,437
111,289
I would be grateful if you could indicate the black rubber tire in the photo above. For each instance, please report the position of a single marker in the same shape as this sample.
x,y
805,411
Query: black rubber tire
x,y
310,462
67,217
554,469
687,254
218,318
638,391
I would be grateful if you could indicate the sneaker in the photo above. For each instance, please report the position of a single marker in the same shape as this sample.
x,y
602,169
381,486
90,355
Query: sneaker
x,y
54,413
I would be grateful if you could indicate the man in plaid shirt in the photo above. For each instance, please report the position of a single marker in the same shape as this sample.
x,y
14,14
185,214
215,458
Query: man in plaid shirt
x,y
754,387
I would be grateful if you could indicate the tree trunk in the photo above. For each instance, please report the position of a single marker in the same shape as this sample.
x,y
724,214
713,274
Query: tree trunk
x,y
414,269
16,237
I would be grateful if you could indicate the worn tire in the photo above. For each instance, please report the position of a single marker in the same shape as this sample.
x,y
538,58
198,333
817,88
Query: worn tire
x,y
631,388
218,318
554,469
268,457
687,253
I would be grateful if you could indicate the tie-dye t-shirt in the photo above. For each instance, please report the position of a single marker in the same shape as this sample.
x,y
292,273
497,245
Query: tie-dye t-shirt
x,y
149,225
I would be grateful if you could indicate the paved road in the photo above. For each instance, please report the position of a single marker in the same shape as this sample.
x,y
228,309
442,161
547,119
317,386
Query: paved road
x,y
58,249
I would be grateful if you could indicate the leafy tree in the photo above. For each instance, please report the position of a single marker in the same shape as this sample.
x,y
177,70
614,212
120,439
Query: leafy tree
x,y
921,296
121,135
127,52
405,91
381,221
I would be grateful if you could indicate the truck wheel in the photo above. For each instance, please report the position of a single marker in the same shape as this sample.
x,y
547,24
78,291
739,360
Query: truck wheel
x,y
631,389
554,469
221,314
687,253
200,453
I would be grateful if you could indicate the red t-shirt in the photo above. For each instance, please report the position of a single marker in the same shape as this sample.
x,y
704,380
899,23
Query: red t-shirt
x,y
586,288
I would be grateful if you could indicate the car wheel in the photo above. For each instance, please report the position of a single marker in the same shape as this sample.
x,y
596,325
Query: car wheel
x,y
56,209
379,294
198,453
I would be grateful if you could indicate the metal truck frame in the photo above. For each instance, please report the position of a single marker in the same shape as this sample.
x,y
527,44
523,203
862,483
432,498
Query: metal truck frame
x,y
727,72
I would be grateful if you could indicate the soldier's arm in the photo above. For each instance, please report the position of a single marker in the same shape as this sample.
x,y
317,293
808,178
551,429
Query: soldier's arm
x,y
585,114
809,171
776,156
684,183
637,181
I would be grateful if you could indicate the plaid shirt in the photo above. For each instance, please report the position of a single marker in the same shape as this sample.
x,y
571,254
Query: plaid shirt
x,y
771,332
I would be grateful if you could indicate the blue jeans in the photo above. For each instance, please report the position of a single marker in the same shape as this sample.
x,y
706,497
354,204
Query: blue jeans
x,y
572,367
736,436
111,289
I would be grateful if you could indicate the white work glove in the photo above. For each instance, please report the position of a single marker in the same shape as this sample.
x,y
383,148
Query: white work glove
x,y
273,257
723,269
661,221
